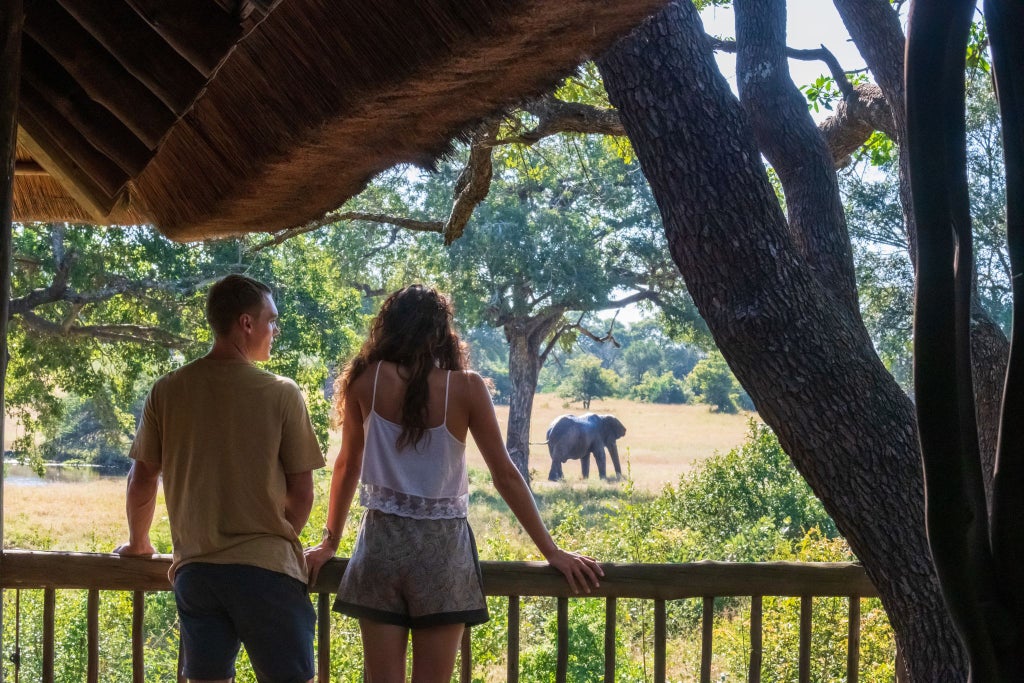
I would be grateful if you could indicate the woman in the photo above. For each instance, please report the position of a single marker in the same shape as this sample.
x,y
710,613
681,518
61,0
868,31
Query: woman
x,y
406,404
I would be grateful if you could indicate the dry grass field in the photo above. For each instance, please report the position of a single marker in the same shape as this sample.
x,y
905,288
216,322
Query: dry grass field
x,y
661,443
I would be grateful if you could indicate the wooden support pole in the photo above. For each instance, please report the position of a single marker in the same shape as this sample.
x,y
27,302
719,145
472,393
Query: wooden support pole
x,y
512,675
323,638
610,616
11,18
707,629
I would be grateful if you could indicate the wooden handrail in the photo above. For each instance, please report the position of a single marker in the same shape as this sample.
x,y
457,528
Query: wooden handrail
x,y
38,569
20,569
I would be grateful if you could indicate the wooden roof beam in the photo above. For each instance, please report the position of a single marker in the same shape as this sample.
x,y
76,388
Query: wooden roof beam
x,y
140,50
200,30
104,172
62,168
99,74
92,120
28,168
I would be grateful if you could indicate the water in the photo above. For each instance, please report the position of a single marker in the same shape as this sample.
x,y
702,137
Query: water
x,y
16,474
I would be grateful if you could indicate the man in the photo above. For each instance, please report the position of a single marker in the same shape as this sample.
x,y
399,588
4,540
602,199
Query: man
x,y
236,449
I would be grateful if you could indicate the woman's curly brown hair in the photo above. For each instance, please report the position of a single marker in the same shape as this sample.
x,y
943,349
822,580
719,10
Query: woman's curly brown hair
x,y
413,330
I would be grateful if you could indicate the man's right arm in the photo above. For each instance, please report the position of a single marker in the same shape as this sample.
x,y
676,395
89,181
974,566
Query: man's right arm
x,y
140,506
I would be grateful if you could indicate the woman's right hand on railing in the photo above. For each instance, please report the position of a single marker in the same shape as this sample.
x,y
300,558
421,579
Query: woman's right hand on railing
x,y
131,548
317,557
580,571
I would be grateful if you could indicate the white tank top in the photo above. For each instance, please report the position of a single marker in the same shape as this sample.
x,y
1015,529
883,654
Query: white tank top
x,y
426,481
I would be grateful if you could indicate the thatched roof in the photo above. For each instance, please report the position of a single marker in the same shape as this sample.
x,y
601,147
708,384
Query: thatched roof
x,y
209,122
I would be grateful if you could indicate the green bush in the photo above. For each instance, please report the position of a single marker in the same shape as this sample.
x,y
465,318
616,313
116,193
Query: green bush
x,y
663,388
712,380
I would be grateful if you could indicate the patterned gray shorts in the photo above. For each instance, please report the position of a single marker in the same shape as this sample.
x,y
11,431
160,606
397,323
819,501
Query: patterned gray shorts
x,y
414,573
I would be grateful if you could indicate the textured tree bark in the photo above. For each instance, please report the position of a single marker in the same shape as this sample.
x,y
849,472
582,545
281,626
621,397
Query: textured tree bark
x,y
838,413
875,29
525,358
794,146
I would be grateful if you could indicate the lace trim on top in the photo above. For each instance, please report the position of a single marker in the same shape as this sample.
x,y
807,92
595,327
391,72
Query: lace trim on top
x,y
393,502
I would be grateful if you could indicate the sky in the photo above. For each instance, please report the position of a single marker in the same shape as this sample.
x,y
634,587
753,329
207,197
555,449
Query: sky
x,y
810,23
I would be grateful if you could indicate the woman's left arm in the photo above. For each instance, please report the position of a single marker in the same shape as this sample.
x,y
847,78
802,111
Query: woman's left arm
x,y
344,480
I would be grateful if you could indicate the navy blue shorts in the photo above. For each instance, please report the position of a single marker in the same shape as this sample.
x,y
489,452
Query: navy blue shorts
x,y
221,606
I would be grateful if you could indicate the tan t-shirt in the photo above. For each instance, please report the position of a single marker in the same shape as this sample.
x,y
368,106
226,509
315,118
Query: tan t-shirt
x,y
224,433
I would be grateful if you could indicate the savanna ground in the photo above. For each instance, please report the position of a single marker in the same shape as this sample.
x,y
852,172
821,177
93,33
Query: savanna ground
x,y
661,442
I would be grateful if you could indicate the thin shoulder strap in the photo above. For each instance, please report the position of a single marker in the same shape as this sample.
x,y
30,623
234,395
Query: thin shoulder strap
x,y
376,374
447,383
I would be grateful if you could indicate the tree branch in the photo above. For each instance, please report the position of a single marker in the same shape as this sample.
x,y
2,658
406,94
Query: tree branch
x,y
557,116
330,218
806,55
104,333
473,183
59,291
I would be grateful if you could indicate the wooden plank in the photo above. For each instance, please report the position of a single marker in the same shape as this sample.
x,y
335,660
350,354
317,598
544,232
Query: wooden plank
x,y
323,638
140,50
466,655
610,625
99,167
198,30
11,19
94,121
562,664
49,613
660,638
29,168
39,569
138,637
706,638
92,672
853,641
98,73
806,614
83,189
756,639
512,673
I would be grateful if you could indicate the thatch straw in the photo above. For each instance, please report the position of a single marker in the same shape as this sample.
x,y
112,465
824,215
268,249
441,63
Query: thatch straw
x,y
325,94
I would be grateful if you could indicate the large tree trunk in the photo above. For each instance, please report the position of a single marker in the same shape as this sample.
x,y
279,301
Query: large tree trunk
x,y
875,29
804,360
526,337
523,370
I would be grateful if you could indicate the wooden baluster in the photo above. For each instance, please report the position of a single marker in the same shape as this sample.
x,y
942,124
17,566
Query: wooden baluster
x,y
756,636
562,670
466,669
138,643
49,612
323,638
610,623
707,631
659,641
92,638
853,641
806,611
512,675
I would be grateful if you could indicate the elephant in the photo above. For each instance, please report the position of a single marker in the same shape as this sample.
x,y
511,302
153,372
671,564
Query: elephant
x,y
572,437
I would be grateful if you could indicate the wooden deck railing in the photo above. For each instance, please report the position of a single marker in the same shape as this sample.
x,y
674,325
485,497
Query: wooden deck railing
x,y
52,571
